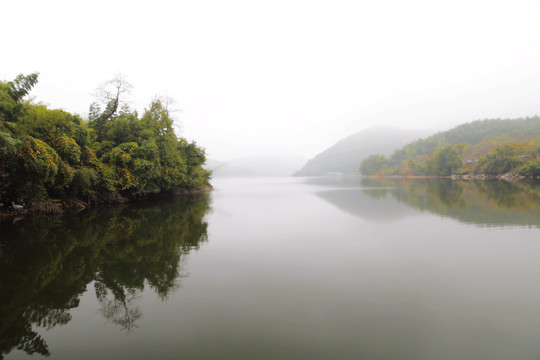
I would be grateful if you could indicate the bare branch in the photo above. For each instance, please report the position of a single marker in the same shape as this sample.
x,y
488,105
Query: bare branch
x,y
111,96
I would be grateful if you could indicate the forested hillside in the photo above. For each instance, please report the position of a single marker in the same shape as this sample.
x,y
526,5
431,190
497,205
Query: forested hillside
x,y
345,156
491,147
49,154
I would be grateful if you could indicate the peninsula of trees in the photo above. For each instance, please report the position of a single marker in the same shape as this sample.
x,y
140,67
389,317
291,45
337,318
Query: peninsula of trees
x,y
54,156
486,148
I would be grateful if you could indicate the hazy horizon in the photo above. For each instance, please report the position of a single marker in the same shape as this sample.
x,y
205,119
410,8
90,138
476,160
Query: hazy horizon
x,y
377,130
285,77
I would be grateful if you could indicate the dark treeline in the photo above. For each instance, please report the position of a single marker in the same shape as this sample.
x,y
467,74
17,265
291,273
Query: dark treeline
x,y
53,154
46,264
491,147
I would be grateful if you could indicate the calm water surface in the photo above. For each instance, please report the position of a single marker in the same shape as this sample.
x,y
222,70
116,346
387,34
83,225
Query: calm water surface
x,y
282,268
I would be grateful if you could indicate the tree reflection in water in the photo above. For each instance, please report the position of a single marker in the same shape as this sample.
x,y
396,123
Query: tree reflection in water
x,y
46,265
121,308
487,203
481,203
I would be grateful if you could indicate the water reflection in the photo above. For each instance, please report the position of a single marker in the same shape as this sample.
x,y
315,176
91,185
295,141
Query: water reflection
x,y
46,265
485,203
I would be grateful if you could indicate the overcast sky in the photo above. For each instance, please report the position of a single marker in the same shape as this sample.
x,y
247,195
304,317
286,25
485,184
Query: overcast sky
x,y
284,77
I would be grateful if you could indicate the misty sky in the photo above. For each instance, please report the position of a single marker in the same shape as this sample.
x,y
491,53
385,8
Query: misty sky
x,y
284,77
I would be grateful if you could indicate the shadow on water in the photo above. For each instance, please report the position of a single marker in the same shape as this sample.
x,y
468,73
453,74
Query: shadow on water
x,y
483,203
46,265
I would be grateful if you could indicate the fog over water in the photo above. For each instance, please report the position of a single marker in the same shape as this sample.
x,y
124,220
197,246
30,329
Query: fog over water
x,y
288,268
285,77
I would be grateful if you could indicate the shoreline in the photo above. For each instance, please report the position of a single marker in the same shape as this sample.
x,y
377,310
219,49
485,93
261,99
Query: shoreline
x,y
511,176
74,205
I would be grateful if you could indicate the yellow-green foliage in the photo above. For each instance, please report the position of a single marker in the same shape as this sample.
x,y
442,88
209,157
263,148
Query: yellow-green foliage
x,y
65,174
486,146
69,150
39,160
52,153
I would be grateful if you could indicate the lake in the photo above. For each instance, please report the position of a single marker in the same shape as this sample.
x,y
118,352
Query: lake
x,y
281,268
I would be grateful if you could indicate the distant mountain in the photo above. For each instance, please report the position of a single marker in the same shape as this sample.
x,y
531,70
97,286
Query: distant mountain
x,y
345,156
263,165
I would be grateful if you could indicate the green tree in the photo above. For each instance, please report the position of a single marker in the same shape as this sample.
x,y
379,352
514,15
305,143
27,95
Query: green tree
x,y
374,164
500,161
12,94
446,161
111,96
530,168
48,153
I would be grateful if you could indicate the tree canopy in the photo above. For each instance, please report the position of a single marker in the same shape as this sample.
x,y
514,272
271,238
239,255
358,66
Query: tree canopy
x,y
491,147
48,153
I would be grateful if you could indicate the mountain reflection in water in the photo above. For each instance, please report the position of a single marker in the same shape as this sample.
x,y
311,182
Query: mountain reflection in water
x,y
47,263
483,203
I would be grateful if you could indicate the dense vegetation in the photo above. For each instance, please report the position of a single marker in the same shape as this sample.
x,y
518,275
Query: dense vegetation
x,y
52,154
491,147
